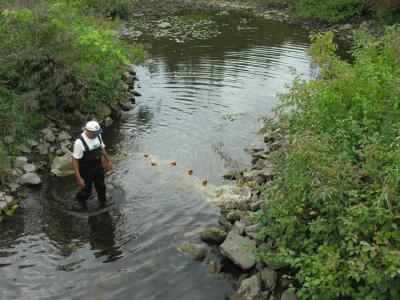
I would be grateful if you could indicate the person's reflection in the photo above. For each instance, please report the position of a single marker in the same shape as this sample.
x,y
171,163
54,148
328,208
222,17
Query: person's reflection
x,y
102,237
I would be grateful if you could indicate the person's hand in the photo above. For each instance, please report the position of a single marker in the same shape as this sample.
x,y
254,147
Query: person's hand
x,y
110,167
81,182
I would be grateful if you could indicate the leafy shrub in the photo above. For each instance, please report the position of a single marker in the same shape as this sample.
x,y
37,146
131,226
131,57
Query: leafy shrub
x,y
109,7
329,10
333,211
53,59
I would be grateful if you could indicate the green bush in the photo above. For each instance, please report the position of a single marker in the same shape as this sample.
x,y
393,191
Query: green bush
x,y
329,10
109,7
54,59
333,211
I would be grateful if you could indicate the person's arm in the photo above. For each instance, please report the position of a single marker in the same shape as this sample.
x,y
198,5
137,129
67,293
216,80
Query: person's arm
x,y
109,163
79,179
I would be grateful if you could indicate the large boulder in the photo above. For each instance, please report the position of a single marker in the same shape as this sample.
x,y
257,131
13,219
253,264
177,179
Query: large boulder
x,y
30,179
213,236
238,249
250,288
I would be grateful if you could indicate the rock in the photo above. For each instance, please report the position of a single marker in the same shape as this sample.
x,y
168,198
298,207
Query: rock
x,y
17,172
29,168
14,186
226,224
125,87
50,137
43,148
103,110
241,278
214,267
46,131
246,220
197,252
347,26
20,161
238,249
32,143
288,295
9,200
250,288
125,105
30,179
59,152
164,25
239,227
3,204
213,236
124,115
230,175
286,283
252,231
254,206
268,138
270,279
66,144
64,136
108,122
234,216
136,94
8,139
25,149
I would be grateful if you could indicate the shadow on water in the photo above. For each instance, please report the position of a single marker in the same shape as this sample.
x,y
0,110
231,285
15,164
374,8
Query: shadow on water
x,y
200,106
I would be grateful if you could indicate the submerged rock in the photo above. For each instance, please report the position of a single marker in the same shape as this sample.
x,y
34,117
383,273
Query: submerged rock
x,y
213,236
238,249
197,252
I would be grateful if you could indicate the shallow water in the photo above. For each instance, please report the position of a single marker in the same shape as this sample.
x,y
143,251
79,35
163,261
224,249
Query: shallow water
x,y
200,106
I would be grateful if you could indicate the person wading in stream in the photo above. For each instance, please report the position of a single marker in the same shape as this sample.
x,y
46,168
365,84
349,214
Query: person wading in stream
x,y
86,161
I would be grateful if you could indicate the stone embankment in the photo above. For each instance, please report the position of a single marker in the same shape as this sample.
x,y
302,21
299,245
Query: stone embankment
x,y
239,233
56,140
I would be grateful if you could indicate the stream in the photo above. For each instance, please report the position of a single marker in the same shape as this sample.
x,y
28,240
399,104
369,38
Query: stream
x,y
200,105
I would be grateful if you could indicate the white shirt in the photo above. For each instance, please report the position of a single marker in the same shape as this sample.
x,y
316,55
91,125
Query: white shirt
x,y
92,144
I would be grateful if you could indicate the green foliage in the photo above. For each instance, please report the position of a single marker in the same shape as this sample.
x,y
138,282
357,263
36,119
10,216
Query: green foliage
x,y
329,10
109,7
333,211
54,59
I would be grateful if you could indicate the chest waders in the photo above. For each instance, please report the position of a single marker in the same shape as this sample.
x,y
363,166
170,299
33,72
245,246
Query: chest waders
x,y
92,172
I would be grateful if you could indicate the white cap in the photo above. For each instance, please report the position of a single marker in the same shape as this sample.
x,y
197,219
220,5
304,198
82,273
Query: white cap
x,y
94,127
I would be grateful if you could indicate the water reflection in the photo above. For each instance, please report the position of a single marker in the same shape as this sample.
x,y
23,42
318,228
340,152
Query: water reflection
x,y
102,237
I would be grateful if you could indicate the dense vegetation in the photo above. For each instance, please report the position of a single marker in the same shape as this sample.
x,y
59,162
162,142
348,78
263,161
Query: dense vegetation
x,y
333,211
387,11
54,58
